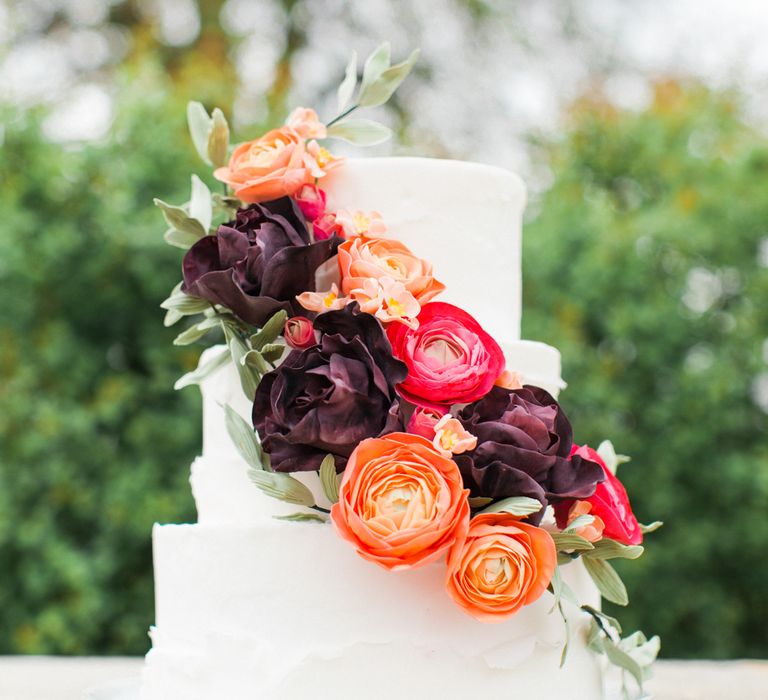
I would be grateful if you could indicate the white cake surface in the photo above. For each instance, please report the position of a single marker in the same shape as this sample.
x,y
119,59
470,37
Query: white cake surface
x,y
249,607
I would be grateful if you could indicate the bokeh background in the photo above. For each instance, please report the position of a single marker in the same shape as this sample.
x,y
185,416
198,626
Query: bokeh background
x,y
640,128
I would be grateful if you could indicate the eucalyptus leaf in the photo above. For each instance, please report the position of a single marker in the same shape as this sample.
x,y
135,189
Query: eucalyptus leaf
x,y
185,304
610,549
180,239
328,478
360,132
608,582
516,505
200,206
379,91
375,65
253,358
203,371
178,219
567,541
244,438
347,86
283,487
272,352
239,350
269,331
620,658
652,527
303,517
217,146
199,127
195,332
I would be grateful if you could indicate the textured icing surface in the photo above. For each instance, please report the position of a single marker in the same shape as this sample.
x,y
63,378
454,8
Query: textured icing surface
x,y
272,610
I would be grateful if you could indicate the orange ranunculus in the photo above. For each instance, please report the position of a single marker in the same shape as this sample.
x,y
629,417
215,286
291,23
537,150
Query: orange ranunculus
x,y
272,166
401,503
502,565
363,257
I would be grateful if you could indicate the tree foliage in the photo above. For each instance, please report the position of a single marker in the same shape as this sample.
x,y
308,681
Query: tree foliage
x,y
646,266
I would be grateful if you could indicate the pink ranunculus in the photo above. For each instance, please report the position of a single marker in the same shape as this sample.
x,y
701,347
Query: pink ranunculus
x,y
609,503
450,358
299,333
326,226
423,421
311,200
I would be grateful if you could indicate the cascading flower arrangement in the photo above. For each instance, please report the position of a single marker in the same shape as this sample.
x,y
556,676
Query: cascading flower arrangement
x,y
428,447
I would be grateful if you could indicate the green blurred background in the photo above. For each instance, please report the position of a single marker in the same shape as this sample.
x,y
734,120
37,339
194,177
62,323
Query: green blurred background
x,y
646,263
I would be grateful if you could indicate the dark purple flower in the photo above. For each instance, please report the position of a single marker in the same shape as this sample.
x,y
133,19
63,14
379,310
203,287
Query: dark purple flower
x,y
523,447
329,397
257,264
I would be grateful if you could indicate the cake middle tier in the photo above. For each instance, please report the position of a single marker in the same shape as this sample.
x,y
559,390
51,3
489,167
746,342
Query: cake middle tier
x,y
288,610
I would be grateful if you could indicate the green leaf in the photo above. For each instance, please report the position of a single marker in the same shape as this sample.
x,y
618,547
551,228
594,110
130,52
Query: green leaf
x,y
178,219
248,380
199,127
608,454
253,358
378,92
375,65
610,549
185,304
516,505
479,501
579,521
195,332
652,527
567,541
272,352
282,487
203,371
361,132
225,205
217,146
328,478
200,206
347,86
270,330
303,517
607,619
608,582
620,658
179,239
244,438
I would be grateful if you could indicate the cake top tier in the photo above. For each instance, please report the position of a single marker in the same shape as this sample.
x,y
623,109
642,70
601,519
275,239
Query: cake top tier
x,y
464,218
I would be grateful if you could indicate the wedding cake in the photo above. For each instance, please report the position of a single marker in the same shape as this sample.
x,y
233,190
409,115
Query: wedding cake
x,y
426,431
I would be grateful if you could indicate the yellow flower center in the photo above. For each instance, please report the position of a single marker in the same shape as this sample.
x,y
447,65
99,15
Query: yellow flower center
x,y
448,440
361,221
323,157
395,307
328,299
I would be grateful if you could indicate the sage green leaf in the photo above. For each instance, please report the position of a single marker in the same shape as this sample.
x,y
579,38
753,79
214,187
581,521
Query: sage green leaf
x,y
199,127
375,65
516,505
217,147
179,239
203,371
328,478
579,521
248,379
361,132
608,582
606,619
200,206
652,527
642,650
564,558
567,541
269,331
610,549
171,316
253,358
272,352
195,332
185,304
608,454
224,204
620,658
347,86
283,487
479,501
303,517
379,91
178,219
244,438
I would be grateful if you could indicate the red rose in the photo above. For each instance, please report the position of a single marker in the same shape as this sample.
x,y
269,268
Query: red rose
x,y
610,503
450,358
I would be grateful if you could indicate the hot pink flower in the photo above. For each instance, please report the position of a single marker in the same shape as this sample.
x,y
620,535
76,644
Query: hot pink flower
x,y
311,200
423,421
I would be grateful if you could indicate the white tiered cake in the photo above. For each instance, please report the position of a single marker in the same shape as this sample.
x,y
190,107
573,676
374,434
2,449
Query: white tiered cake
x,y
249,607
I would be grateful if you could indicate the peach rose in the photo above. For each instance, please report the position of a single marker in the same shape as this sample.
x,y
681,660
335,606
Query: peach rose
x,y
363,257
269,167
592,532
306,124
502,565
401,503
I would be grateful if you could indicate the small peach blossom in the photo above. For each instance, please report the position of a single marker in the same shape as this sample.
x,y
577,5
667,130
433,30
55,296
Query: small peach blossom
x,y
592,532
359,223
322,301
388,300
509,380
320,160
451,438
305,123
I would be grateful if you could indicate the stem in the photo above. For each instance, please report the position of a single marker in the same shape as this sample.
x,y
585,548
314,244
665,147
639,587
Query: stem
x,y
341,116
319,509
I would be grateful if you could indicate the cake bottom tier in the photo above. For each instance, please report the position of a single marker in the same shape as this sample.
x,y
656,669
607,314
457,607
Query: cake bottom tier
x,y
288,611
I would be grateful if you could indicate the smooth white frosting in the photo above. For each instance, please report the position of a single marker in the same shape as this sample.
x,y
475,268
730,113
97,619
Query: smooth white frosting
x,y
251,607
288,611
